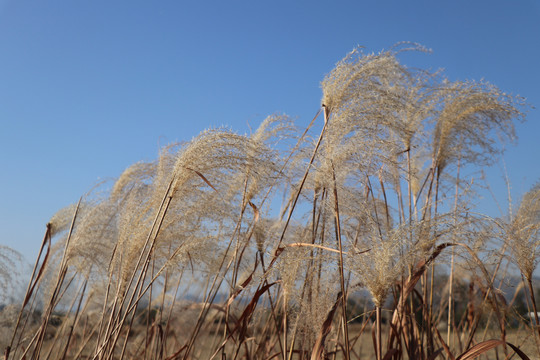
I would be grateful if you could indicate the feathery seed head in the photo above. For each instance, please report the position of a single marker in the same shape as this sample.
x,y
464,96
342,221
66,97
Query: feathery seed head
x,y
524,232
135,175
10,261
62,219
473,119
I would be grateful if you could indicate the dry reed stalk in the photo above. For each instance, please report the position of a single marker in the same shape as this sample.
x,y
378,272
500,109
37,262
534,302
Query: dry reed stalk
x,y
341,271
34,280
212,295
533,302
150,240
272,306
75,320
59,335
169,316
106,300
451,277
54,297
318,349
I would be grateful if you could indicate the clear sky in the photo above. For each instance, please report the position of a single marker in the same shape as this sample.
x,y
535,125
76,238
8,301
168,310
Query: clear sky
x,y
88,88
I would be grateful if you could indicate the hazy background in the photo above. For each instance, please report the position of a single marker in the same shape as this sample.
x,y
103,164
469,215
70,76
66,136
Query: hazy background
x,y
88,88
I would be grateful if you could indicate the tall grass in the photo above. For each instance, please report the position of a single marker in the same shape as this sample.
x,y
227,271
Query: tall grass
x,y
189,257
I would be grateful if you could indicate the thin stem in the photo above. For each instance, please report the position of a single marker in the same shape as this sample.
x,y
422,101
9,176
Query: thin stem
x,y
341,271
533,300
379,332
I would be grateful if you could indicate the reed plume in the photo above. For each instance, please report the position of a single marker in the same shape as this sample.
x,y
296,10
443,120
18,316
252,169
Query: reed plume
x,y
10,269
474,118
524,233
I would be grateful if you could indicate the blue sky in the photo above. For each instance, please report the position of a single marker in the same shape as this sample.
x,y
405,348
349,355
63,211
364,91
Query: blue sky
x,y
88,88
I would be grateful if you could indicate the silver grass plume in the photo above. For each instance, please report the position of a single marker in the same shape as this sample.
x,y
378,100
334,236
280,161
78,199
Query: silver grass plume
x,y
308,305
10,268
62,219
138,174
394,252
264,163
524,232
370,99
95,237
380,267
474,118
135,215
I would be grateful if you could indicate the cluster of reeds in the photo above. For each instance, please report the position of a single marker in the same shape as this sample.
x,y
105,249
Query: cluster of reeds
x,y
187,257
